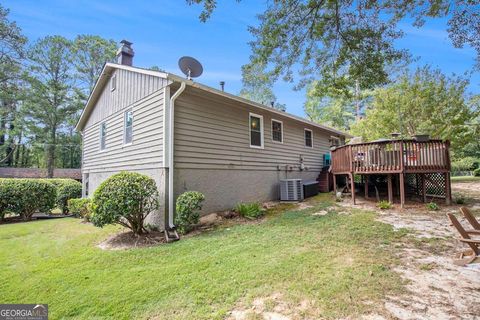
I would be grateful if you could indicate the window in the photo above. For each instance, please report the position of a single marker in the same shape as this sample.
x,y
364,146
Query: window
x,y
128,126
103,135
334,141
113,82
256,131
277,130
308,138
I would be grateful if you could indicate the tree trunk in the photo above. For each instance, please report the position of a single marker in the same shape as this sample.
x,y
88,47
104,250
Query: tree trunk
x,y
9,153
23,162
51,153
17,151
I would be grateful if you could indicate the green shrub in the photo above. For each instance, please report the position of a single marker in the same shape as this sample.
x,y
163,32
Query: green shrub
x,y
188,209
459,198
126,198
80,208
66,189
6,193
465,164
432,206
384,205
251,211
26,196
476,172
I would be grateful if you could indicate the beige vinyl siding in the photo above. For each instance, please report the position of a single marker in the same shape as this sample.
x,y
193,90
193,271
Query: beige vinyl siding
x,y
146,150
130,87
214,134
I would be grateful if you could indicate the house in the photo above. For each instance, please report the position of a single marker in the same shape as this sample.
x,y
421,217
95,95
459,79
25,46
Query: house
x,y
188,136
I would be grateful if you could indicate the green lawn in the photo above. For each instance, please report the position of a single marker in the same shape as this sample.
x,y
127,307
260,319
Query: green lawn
x,y
465,179
340,262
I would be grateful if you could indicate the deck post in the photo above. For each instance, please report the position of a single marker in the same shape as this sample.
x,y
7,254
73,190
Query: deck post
x,y
448,191
402,190
352,187
424,188
335,184
390,191
366,186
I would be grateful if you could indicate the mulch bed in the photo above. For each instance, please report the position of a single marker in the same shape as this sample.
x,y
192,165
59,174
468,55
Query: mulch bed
x,y
127,240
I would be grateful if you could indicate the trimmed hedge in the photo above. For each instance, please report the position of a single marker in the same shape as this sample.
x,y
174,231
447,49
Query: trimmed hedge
x,y
126,198
66,189
188,206
80,208
26,196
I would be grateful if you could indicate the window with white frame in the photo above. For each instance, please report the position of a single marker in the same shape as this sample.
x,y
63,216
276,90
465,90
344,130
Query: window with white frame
x,y
277,130
103,135
113,82
128,127
308,138
334,141
256,131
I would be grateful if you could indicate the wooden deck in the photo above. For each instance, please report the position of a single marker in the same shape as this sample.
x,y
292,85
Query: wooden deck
x,y
392,156
428,162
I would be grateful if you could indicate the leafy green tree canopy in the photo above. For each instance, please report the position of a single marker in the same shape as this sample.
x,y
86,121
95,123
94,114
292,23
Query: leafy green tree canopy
x,y
257,86
423,102
90,54
51,92
340,42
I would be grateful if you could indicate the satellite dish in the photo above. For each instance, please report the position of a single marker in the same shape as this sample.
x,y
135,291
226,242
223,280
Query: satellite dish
x,y
190,67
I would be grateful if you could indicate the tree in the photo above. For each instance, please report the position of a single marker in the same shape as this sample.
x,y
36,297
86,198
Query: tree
x,y
51,92
90,54
425,102
11,57
340,43
257,86
337,112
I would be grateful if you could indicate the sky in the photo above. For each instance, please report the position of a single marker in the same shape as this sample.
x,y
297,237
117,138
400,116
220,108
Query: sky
x,y
162,31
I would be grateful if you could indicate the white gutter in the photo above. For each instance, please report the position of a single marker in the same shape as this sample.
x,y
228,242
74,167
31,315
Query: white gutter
x,y
170,142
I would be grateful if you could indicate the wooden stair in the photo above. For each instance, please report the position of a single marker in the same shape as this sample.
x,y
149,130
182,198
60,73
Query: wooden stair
x,y
325,180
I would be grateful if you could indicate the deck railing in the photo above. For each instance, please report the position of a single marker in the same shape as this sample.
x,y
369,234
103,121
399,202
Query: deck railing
x,y
392,156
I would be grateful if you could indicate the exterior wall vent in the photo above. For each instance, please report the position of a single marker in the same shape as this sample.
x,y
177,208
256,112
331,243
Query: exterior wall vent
x,y
291,190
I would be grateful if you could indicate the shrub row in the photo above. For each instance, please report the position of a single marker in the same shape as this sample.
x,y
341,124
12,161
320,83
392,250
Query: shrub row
x,y
27,196
81,208
66,189
127,198
465,164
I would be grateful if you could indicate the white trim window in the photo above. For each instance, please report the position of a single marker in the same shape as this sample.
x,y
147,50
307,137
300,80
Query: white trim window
x,y
128,127
256,130
113,82
103,135
277,131
334,141
308,134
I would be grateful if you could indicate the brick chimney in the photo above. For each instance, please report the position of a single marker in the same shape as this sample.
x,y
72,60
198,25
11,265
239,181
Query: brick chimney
x,y
125,53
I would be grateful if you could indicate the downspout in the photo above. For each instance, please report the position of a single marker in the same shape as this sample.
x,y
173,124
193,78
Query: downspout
x,y
171,139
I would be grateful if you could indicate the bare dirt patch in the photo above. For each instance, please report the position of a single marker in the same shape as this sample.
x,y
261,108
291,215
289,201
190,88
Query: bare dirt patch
x,y
127,240
470,190
436,287
275,307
